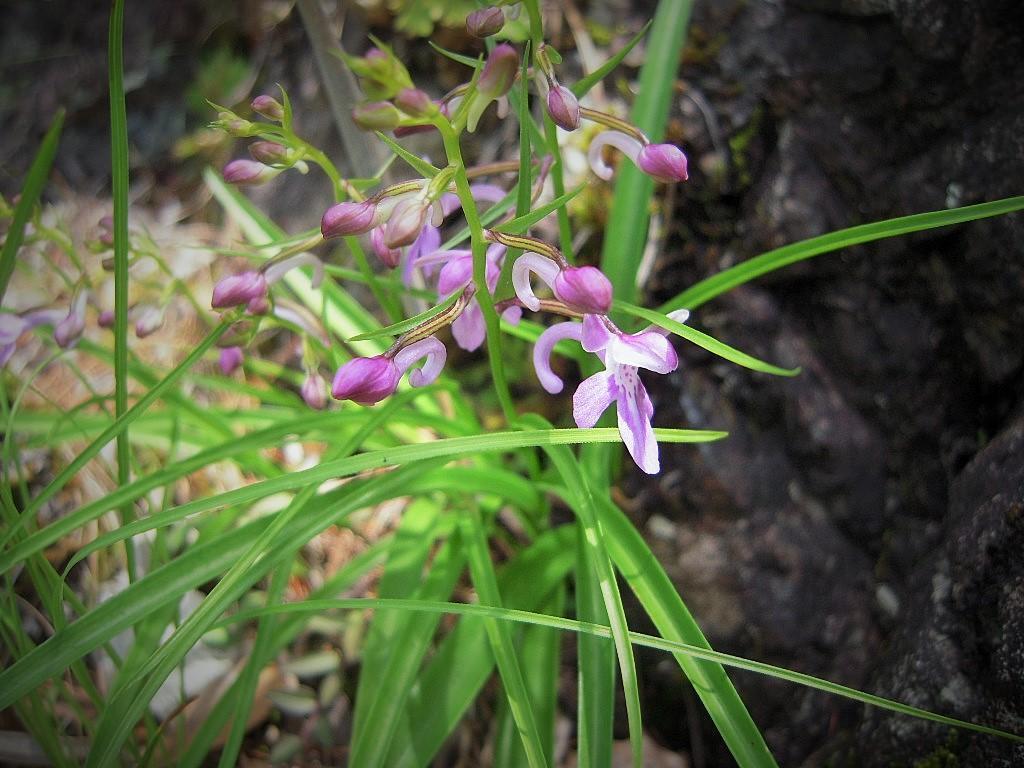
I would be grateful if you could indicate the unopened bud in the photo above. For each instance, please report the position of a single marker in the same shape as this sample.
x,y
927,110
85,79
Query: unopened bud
x,y
230,359
415,103
664,162
406,222
485,22
233,124
564,108
585,289
366,380
248,172
348,219
235,290
70,329
376,116
314,391
268,106
150,320
499,72
105,319
269,152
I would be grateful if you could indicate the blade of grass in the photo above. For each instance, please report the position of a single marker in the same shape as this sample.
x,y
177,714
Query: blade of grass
x,y
627,225
109,433
119,181
421,166
522,223
481,570
713,286
703,340
582,86
38,172
637,638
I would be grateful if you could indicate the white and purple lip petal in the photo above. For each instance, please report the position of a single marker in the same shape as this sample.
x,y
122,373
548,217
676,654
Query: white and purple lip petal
x,y
430,349
626,144
592,398
534,263
634,411
542,353
647,349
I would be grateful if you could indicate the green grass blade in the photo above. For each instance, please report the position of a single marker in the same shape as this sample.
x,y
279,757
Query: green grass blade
x,y
458,670
421,166
109,433
481,570
456,57
119,182
676,647
627,226
407,325
522,223
455,446
709,343
713,286
648,580
582,86
30,191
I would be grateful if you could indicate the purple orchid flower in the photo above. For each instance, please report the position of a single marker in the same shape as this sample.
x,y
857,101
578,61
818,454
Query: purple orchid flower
x,y
662,162
230,360
584,289
469,329
623,355
368,380
12,326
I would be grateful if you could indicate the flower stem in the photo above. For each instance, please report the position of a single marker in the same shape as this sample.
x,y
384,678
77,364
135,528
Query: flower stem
x,y
479,247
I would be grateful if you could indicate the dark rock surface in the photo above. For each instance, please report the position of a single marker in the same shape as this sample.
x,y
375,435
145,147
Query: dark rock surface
x,y
863,521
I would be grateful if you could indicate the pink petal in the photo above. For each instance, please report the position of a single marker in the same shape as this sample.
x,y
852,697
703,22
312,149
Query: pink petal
x,y
617,139
635,427
429,348
521,269
469,329
592,398
596,336
647,349
454,275
542,353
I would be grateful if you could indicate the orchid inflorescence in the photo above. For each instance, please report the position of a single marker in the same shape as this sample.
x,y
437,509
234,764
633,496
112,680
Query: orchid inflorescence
x,y
403,224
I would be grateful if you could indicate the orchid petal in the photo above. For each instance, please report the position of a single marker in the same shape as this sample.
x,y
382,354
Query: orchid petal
x,y
621,141
454,275
596,337
634,411
542,353
429,348
469,329
647,349
592,398
521,269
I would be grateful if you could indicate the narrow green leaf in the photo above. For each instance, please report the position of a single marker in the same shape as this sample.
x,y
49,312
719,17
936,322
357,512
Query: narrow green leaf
x,y
421,166
703,340
108,434
627,225
399,328
582,86
30,191
458,57
676,647
520,224
713,286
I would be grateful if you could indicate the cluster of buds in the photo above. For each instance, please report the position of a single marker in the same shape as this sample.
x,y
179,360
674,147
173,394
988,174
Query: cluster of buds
x,y
403,224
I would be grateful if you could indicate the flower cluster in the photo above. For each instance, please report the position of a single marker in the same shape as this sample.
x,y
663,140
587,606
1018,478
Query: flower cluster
x,y
403,222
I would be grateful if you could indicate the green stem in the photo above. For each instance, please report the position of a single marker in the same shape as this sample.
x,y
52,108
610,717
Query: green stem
x,y
479,246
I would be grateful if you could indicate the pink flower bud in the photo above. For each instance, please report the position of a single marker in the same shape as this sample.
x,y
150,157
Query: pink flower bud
x,y
248,172
258,305
268,106
415,103
235,290
485,22
150,320
664,162
348,219
389,257
376,116
269,152
564,108
314,391
105,319
499,72
585,289
406,221
70,329
366,380
230,359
